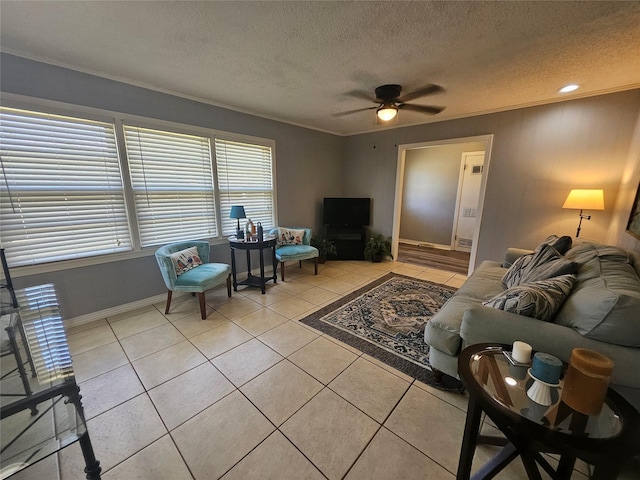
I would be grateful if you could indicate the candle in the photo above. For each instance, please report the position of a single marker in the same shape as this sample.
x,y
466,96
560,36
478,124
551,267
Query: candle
x,y
587,380
546,368
521,352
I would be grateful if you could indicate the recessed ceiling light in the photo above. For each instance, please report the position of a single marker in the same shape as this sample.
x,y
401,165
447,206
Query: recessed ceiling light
x,y
569,88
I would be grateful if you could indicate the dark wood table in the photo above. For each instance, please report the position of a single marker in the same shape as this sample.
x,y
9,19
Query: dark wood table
x,y
249,245
498,388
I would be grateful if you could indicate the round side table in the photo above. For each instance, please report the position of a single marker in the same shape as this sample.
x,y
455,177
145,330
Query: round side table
x,y
269,242
499,389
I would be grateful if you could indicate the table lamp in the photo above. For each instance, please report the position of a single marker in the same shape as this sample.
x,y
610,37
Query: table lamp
x,y
584,199
237,212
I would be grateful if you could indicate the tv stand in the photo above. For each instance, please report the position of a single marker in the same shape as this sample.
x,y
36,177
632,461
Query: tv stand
x,y
349,240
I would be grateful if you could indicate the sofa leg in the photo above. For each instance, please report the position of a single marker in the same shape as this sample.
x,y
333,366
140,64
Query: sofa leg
x,y
169,292
229,285
315,265
282,270
203,307
299,263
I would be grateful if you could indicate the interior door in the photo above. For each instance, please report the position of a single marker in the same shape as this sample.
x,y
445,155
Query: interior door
x,y
471,171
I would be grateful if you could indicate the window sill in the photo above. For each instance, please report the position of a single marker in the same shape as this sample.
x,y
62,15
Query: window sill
x,y
27,270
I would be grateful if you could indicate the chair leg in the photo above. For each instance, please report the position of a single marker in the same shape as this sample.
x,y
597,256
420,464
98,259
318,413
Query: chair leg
x,y
203,307
282,270
169,292
315,265
229,285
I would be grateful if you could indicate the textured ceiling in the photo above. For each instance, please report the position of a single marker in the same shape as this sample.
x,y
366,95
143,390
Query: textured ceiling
x,y
299,62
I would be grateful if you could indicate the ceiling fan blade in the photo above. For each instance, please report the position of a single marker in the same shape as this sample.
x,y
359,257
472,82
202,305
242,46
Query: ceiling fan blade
x,y
420,108
349,112
362,95
428,90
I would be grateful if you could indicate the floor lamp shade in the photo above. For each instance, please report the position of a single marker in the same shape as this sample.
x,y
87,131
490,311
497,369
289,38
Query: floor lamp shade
x,y
584,199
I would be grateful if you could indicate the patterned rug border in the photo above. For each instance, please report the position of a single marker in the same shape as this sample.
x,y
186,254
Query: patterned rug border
x,y
422,373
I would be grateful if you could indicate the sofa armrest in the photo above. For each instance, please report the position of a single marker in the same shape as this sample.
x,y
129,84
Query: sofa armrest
x,y
512,254
482,324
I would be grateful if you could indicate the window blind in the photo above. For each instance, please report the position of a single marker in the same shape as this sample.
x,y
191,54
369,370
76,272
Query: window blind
x,y
245,177
61,194
172,181
44,331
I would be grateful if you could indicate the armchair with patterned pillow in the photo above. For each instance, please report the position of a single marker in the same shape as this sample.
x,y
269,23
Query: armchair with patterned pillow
x,y
294,244
185,267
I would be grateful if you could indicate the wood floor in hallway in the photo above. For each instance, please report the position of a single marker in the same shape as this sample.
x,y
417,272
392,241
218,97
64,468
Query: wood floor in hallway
x,y
451,260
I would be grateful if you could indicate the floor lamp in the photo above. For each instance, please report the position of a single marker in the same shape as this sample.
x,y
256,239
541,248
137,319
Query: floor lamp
x,y
584,199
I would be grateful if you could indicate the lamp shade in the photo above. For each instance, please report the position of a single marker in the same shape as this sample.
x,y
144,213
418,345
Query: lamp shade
x,y
237,211
585,199
386,113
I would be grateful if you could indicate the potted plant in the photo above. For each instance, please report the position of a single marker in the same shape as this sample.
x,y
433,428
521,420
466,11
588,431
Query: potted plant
x,y
378,247
325,248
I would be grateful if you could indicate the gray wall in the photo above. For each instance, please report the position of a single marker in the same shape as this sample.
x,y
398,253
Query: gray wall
x,y
308,168
430,191
539,154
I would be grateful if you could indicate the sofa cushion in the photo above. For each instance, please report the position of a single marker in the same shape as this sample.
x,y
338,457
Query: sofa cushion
x,y
485,282
605,303
540,299
544,263
442,331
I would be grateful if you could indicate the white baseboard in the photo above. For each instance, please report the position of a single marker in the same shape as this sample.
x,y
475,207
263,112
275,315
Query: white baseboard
x,y
110,312
425,244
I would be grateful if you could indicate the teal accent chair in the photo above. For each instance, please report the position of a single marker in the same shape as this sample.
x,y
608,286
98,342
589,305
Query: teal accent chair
x,y
289,253
197,280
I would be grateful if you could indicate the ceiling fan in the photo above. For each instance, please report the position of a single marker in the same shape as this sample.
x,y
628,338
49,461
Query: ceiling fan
x,y
389,101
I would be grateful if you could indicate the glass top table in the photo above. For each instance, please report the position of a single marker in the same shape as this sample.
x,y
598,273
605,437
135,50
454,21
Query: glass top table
x,y
499,388
41,411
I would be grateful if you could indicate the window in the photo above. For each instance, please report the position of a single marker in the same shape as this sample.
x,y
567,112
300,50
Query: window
x,y
245,177
172,181
73,188
61,192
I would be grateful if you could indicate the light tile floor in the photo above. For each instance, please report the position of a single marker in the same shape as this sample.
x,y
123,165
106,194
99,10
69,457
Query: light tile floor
x,y
251,393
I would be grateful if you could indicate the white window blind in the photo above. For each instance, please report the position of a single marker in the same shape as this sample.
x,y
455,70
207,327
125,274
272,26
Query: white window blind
x,y
61,194
245,177
44,331
172,181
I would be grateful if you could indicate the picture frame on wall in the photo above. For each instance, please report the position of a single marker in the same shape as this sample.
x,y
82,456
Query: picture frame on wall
x,y
633,227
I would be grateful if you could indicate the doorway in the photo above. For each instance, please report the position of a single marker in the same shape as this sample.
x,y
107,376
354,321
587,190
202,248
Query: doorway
x,y
470,179
429,195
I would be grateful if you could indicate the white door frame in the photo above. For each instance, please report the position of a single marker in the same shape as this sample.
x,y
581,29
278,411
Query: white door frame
x,y
397,210
456,215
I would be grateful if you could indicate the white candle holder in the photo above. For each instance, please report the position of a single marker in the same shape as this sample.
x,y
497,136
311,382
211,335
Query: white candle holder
x,y
540,392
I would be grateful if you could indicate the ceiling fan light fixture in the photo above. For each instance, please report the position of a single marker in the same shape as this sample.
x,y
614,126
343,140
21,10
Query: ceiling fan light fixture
x,y
387,112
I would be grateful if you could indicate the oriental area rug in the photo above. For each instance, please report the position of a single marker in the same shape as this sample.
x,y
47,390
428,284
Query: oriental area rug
x,y
386,320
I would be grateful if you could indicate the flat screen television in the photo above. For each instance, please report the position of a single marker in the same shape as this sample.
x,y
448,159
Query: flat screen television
x,y
346,212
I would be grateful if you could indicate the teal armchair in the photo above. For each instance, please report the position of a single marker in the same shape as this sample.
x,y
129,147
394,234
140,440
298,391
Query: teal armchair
x,y
196,280
288,253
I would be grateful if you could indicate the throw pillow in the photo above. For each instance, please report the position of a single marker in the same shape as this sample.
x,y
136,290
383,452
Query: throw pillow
x,y
561,244
290,236
542,264
540,299
185,260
